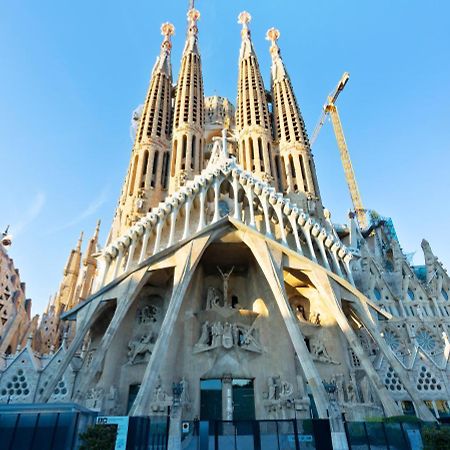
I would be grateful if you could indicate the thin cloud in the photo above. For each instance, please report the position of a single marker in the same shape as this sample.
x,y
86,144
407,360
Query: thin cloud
x,y
91,209
30,215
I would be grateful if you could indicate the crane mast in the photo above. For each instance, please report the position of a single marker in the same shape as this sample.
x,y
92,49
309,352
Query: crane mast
x,y
331,110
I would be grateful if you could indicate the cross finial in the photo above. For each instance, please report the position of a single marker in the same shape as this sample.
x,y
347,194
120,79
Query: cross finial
x,y
244,18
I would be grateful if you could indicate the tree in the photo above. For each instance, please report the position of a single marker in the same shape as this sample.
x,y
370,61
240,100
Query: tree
x,y
99,437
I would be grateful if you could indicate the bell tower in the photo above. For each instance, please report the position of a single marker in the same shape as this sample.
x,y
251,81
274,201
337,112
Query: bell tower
x,y
253,123
147,180
188,119
298,173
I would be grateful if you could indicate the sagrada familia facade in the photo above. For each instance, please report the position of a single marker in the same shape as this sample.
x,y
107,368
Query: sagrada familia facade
x,y
225,290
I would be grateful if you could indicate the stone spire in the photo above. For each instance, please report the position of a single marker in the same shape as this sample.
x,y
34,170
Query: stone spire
x,y
89,266
189,121
66,297
147,179
298,174
252,113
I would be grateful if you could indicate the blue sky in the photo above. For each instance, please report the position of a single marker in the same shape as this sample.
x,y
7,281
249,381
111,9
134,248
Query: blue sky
x,y
71,73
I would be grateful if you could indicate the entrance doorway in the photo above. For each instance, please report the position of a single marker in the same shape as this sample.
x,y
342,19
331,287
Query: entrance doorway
x,y
243,399
227,399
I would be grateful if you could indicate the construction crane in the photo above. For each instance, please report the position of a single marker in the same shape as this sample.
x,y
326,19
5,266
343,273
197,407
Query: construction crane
x,y
331,110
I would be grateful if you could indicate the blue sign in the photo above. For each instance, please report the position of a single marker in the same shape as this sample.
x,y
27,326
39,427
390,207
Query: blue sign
x,y
122,428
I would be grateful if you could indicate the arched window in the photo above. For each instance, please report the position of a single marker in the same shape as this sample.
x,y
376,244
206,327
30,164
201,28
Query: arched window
x,y
144,168
133,174
165,170
174,158
154,171
194,141
184,150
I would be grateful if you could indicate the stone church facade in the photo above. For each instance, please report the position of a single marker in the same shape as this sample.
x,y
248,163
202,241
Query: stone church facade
x,y
225,291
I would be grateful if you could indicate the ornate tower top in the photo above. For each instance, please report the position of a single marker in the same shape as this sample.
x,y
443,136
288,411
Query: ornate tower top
x,y
298,174
193,16
244,19
163,61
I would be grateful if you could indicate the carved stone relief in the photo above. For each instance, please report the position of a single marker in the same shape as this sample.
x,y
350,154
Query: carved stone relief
x,y
319,351
140,348
226,335
280,401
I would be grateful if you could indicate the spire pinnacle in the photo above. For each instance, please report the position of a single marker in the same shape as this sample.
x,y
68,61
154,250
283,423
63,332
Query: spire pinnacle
x,y
80,240
273,35
97,228
278,70
244,19
167,30
193,16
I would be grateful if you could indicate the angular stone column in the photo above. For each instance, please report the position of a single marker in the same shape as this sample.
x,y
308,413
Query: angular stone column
x,y
274,275
95,310
188,258
332,303
131,288
422,410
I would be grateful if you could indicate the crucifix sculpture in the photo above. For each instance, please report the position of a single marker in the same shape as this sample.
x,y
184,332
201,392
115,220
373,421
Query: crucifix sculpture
x,y
225,277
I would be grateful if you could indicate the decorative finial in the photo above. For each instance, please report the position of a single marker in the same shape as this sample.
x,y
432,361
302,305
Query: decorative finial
x,y
273,35
167,30
193,15
244,18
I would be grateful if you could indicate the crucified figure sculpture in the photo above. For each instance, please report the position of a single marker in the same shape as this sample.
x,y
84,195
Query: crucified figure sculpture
x,y
225,277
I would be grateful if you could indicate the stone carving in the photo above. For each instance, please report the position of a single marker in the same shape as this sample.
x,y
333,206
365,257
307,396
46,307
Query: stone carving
x,y
366,391
351,393
212,298
225,278
280,402
300,313
180,393
161,400
338,380
141,347
94,398
319,351
227,335
147,314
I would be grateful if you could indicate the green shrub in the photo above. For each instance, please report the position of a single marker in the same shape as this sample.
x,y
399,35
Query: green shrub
x,y
99,437
436,437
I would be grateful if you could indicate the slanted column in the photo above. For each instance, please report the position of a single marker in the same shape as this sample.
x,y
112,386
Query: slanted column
x,y
216,200
330,301
307,232
201,218
237,209
128,289
145,239
132,249
182,277
187,215
320,242
334,249
273,272
118,259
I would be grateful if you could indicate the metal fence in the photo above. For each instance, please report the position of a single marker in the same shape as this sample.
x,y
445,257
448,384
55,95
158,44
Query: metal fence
x,y
383,435
257,435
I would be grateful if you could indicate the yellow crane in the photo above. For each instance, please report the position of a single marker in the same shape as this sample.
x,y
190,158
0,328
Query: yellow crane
x,y
331,110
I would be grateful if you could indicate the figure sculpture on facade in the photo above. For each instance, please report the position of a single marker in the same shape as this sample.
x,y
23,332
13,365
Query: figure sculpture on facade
x,y
320,352
140,347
